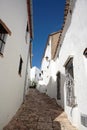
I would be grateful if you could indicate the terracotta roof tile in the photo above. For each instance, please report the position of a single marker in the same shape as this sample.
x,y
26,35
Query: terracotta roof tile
x,y
54,43
56,37
67,8
30,17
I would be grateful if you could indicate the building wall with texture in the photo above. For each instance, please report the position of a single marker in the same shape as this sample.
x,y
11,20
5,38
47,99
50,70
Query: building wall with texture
x,y
14,14
35,74
73,44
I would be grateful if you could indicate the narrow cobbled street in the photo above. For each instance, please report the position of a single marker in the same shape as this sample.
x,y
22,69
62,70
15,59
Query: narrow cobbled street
x,y
39,112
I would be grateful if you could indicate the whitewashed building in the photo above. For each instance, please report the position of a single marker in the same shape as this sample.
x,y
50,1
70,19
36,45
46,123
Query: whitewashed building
x,y
15,55
35,74
46,67
68,68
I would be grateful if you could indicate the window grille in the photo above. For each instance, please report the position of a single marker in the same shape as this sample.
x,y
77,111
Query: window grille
x,y
3,36
20,66
70,98
84,120
4,30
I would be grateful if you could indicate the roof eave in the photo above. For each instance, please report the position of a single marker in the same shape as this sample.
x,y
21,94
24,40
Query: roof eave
x,y
30,17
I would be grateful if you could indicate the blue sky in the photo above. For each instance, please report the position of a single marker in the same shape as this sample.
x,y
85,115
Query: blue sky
x,y
47,18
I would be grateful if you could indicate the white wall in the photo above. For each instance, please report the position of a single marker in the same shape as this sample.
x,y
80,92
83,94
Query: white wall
x,y
14,14
34,73
46,63
74,44
49,83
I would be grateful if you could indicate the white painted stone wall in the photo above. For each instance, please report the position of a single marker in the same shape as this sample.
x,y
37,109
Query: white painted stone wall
x,y
46,63
74,44
35,74
45,77
14,14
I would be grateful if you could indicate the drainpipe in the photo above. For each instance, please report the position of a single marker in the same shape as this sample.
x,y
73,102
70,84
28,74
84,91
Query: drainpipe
x,y
26,73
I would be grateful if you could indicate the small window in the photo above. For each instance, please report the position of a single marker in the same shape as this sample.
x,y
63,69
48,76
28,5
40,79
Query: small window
x,y
3,35
2,42
27,34
27,28
85,53
39,74
47,58
84,120
20,66
42,71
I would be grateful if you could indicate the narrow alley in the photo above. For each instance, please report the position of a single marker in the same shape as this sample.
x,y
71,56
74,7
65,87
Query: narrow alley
x,y
39,112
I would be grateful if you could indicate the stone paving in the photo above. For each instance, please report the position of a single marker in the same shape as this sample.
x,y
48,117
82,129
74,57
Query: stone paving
x,y
39,112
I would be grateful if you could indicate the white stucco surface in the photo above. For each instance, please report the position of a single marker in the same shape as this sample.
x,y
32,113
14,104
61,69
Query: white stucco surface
x,y
73,43
35,74
14,14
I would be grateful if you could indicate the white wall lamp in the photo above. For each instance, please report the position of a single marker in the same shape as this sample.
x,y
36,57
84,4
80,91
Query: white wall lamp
x,y
47,58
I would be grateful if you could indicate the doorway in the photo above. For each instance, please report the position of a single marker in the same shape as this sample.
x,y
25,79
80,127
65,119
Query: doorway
x,y
58,86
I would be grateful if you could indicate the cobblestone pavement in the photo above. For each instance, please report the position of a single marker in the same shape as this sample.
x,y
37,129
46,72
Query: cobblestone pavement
x,y
39,112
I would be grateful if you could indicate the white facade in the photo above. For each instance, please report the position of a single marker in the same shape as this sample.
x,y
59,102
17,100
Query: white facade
x,y
46,61
73,43
45,73
15,16
35,74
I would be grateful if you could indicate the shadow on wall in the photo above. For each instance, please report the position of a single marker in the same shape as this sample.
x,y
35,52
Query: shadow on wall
x,y
54,88
62,89
51,88
43,87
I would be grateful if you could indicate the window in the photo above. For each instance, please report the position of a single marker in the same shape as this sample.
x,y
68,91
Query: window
x,y
3,35
27,34
39,74
58,86
20,66
70,83
47,58
2,41
42,71
84,120
85,53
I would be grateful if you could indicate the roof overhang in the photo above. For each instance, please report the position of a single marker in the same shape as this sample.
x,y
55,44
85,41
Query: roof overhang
x,y
5,27
30,17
